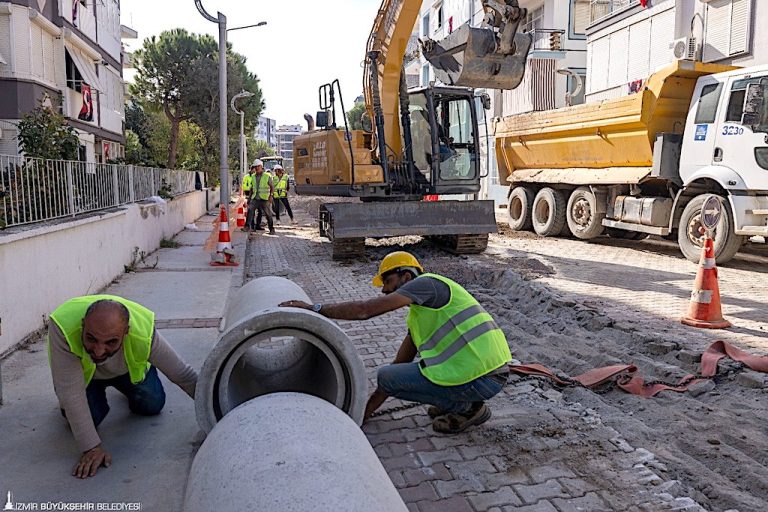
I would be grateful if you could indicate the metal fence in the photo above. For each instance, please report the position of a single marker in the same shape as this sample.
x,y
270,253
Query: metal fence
x,y
34,190
602,8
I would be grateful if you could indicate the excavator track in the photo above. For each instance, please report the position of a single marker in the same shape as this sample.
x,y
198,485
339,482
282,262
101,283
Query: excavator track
x,y
347,248
461,244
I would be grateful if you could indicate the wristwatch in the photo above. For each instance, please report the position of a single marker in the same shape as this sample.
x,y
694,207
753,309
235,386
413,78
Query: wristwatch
x,y
317,307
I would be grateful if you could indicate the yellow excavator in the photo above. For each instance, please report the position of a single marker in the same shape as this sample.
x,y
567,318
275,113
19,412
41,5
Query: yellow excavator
x,y
419,143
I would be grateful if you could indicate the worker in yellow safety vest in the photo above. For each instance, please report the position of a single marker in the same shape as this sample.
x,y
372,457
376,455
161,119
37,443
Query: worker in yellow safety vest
x,y
98,341
263,195
463,352
282,186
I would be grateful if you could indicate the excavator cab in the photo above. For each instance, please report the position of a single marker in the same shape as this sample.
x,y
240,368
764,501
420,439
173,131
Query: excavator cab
x,y
444,140
491,56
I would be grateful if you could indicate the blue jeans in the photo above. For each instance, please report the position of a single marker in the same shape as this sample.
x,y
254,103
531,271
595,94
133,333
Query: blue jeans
x,y
146,398
405,381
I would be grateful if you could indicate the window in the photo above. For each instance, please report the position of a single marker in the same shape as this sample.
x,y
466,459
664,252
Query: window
x,y
425,25
580,13
534,19
707,109
727,31
74,78
425,75
736,101
456,139
439,10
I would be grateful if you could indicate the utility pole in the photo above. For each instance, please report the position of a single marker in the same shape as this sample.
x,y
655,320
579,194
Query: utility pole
x,y
243,148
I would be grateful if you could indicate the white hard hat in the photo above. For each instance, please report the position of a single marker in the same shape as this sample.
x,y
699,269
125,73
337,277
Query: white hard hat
x,y
257,163
278,167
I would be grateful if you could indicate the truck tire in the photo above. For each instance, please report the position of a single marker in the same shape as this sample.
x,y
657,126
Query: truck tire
x,y
548,212
584,220
727,243
519,209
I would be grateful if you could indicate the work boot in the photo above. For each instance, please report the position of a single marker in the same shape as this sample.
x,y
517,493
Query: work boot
x,y
258,228
455,422
272,232
293,222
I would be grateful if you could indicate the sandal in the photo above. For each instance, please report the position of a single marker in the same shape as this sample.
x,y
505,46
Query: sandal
x,y
454,422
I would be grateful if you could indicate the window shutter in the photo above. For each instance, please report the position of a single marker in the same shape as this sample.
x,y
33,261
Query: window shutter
x,y
739,27
662,32
600,64
639,42
617,68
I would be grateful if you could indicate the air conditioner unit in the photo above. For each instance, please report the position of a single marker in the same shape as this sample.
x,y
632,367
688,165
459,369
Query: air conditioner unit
x,y
686,48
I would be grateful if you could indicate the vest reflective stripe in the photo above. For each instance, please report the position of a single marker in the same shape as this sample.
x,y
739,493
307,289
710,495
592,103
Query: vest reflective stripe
x,y
461,342
458,342
447,327
281,188
137,344
262,185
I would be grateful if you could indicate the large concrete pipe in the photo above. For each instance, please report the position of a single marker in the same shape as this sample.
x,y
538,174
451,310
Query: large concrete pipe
x,y
288,452
266,349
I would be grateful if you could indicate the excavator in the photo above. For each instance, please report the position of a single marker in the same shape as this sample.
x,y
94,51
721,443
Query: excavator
x,y
418,143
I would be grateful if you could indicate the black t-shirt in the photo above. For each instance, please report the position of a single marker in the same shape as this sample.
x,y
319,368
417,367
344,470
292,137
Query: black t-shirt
x,y
426,291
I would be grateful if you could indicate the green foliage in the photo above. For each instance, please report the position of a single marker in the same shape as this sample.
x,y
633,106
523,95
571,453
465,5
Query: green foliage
x,y
169,244
44,133
355,116
258,148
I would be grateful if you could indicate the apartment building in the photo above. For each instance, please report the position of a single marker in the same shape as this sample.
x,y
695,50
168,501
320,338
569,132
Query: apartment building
x,y
266,131
285,135
70,52
630,39
554,75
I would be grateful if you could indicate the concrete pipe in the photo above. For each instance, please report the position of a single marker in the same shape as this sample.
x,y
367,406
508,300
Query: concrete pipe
x,y
265,349
288,452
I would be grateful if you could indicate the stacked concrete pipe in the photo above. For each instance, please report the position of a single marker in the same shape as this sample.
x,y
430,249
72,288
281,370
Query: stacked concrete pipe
x,y
266,349
281,396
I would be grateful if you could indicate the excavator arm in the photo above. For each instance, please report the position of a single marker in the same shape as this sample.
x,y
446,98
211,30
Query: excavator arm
x,y
491,56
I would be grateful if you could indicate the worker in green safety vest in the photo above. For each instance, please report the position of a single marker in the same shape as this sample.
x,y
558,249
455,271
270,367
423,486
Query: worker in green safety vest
x,y
281,193
463,352
262,197
98,341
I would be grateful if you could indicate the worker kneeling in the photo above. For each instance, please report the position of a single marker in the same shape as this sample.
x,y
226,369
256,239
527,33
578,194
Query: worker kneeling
x,y
84,335
463,353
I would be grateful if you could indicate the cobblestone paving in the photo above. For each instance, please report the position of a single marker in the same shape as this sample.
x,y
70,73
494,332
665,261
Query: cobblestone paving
x,y
542,450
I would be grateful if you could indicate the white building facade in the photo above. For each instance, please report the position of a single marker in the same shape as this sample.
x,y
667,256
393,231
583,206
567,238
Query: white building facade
x,y
267,131
629,40
70,51
284,136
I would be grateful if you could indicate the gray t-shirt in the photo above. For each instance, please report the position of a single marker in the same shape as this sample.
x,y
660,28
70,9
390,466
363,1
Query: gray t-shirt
x,y
426,291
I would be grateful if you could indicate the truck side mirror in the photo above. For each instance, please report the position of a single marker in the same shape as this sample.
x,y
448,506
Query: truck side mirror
x,y
486,101
754,104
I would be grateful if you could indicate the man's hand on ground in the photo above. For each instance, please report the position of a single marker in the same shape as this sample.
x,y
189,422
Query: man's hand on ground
x,y
91,461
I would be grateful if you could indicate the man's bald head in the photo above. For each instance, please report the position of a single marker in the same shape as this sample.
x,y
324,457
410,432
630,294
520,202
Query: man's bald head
x,y
105,324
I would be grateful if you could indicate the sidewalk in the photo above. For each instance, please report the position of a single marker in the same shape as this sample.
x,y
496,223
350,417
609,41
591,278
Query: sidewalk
x,y
151,455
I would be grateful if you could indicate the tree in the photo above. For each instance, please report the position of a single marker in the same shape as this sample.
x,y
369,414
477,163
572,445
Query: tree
x,y
355,116
258,148
167,75
44,133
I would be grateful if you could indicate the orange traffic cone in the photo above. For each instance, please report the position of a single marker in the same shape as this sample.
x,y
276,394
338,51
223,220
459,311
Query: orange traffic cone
x,y
704,310
224,255
240,216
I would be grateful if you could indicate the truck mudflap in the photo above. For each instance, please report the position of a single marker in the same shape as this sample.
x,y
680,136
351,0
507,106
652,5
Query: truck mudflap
x,y
461,226
469,57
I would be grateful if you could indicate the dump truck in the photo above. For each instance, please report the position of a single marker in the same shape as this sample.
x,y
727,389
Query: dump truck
x,y
644,164
419,142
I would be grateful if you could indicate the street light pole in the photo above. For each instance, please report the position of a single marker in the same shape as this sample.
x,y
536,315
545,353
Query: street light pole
x,y
243,149
223,142
579,84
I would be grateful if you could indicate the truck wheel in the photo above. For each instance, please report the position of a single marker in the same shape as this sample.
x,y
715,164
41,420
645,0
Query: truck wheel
x,y
548,212
519,209
583,217
690,240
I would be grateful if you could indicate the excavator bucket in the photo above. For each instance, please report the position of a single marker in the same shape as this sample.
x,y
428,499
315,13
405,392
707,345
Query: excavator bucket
x,y
469,57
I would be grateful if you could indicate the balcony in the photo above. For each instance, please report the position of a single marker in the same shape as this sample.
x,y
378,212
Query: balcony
x,y
547,43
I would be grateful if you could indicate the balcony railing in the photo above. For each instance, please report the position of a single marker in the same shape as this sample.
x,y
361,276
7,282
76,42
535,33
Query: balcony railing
x,y
601,8
548,39
35,190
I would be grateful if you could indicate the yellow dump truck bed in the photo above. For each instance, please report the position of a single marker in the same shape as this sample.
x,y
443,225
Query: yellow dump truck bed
x,y
606,135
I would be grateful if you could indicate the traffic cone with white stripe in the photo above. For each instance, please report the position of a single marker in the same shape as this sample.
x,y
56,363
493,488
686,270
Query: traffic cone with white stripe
x,y
224,255
705,310
240,216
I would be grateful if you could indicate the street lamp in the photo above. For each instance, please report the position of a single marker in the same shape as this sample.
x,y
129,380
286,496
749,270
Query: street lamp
x,y
223,149
243,150
579,84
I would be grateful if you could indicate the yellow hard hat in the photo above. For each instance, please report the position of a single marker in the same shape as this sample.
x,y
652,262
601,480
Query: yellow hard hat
x,y
395,260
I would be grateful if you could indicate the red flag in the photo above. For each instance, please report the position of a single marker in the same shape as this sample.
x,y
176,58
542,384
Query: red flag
x,y
644,3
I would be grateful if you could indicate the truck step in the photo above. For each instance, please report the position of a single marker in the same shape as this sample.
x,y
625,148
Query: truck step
x,y
652,230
